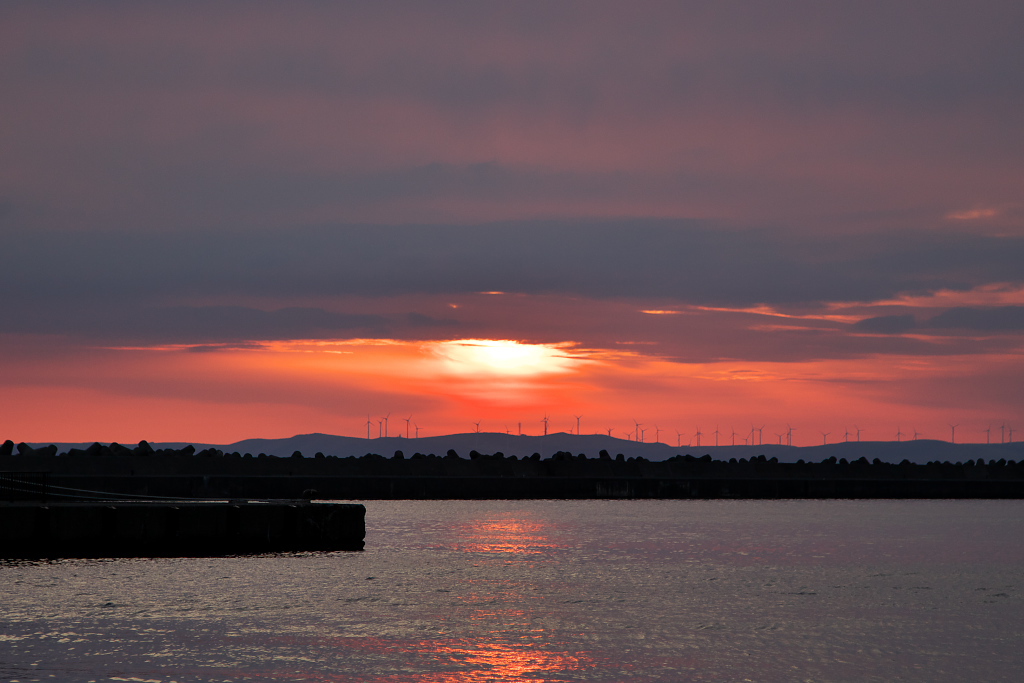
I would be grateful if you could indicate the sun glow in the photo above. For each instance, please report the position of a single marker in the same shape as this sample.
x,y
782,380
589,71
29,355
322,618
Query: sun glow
x,y
503,357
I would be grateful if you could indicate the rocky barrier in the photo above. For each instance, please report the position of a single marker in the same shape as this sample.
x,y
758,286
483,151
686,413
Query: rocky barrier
x,y
211,473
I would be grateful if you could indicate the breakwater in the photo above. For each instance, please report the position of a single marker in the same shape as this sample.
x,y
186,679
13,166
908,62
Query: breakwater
x,y
215,474
176,528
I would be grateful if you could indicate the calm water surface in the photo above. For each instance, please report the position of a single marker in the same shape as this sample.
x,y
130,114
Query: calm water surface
x,y
554,591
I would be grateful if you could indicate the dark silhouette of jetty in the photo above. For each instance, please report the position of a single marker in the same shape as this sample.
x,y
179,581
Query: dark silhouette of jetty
x,y
51,512
175,528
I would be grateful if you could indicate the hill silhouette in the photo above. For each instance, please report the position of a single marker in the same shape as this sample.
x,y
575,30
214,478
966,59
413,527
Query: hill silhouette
x,y
920,451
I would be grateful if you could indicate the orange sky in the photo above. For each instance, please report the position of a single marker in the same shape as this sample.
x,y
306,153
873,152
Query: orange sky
x,y
278,389
260,221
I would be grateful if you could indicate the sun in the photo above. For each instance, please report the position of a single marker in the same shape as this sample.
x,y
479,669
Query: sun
x,y
503,357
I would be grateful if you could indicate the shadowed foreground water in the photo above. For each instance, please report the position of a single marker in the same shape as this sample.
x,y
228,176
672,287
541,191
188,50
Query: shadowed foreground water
x,y
554,591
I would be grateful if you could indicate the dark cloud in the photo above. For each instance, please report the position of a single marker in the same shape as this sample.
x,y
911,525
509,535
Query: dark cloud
x,y
211,323
685,261
419,320
152,285
211,327
886,324
987,319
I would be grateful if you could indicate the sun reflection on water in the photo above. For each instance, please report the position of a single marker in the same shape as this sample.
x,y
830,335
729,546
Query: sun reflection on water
x,y
504,535
494,661
484,659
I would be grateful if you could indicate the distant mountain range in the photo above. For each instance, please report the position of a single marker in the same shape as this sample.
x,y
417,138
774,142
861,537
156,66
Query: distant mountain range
x,y
920,451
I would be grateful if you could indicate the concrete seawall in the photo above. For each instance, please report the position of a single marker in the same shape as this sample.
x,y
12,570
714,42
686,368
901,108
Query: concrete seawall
x,y
374,487
175,529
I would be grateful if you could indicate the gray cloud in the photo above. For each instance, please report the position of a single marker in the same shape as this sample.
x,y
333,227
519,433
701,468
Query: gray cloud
x,y
971,319
988,319
686,261
418,320
143,115
127,322
886,324
211,323
875,53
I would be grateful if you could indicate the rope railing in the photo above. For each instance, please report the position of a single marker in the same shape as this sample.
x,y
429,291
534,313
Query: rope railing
x,y
53,490
35,487
11,483
73,496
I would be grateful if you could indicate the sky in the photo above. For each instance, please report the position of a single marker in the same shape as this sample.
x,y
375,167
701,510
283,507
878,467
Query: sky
x,y
222,221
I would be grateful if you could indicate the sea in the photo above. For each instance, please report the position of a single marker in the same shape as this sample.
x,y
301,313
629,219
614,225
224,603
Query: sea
x,y
542,590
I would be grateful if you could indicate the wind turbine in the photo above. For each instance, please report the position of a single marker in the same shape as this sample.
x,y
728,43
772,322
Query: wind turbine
x,y
846,435
407,421
789,434
679,439
545,421
477,427
859,430
520,429
916,433
642,433
780,437
824,438
716,433
899,434
386,423
952,433
733,430
637,429
657,434
760,434
380,428
698,435
1011,433
417,427
1002,433
577,424
609,431
988,434
369,423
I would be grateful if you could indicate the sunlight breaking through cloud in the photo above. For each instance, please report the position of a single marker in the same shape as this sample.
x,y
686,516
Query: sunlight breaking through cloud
x,y
503,357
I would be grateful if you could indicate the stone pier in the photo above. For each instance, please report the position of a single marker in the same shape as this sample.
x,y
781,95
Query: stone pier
x,y
177,529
